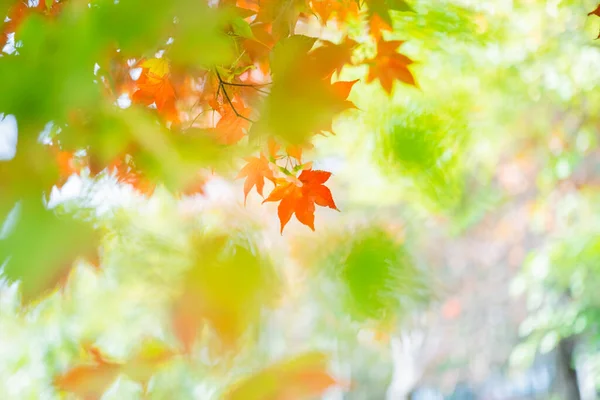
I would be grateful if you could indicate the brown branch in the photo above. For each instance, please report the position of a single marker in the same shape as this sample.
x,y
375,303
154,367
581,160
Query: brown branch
x,y
255,87
222,87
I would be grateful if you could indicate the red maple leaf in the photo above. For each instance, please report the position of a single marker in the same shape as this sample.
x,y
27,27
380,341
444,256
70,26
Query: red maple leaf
x,y
301,200
389,66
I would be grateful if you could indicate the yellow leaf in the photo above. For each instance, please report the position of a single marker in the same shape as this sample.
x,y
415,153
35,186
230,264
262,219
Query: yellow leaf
x,y
157,66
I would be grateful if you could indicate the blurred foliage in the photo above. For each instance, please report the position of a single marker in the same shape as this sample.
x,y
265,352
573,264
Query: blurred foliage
x,y
504,116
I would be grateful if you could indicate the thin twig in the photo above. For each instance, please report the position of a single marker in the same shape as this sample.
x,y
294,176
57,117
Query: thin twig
x,y
246,85
222,86
195,119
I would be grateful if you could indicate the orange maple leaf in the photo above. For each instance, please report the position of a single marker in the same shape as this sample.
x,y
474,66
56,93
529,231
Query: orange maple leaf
x,y
330,57
341,8
255,172
389,66
300,200
233,125
155,87
377,25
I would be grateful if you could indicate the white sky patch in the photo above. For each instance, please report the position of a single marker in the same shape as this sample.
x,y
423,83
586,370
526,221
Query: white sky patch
x,y
8,137
69,191
10,47
135,73
124,101
45,134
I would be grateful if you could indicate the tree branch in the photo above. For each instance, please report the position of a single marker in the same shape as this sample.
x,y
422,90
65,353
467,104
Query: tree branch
x,y
222,87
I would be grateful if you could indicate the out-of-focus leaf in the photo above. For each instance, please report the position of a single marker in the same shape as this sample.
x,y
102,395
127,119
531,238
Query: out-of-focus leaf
x,y
42,247
134,26
300,377
242,28
370,275
151,356
227,287
315,101
200,40
255,171
89,380
389,66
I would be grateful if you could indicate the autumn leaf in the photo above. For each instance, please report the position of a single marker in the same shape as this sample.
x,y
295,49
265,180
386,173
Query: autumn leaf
x,y
389,66
155,87
89,380
152,355
226,288
330,57
342,9
295,151
301,377
255,171
294,119
379,14
234,123
301,200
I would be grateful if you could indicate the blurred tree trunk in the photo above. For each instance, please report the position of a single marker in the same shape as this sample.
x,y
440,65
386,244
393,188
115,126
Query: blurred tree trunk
x,y
566,384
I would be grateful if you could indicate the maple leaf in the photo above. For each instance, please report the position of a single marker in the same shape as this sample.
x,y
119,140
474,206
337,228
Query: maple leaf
x,y
255,171
340,91
155,87
341,8
379,14
330,57
259,48
233,125
389,66
294,119
300,377
301,200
